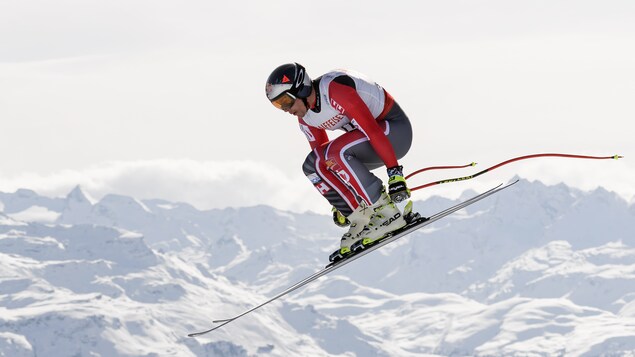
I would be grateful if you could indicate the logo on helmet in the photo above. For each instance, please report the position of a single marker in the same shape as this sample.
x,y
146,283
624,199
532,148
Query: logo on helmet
x,y
300,78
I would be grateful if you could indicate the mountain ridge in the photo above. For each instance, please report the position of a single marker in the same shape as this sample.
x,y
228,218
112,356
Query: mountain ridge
x,y
534,270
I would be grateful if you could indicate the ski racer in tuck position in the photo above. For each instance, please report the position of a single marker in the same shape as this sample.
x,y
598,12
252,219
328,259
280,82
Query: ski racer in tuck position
x,y
377,133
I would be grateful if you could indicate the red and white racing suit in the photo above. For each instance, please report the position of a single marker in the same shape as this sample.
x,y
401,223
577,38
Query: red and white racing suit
x,y
378,133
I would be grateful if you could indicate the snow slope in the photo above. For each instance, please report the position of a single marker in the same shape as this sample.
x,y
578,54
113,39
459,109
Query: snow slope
x,y
533,271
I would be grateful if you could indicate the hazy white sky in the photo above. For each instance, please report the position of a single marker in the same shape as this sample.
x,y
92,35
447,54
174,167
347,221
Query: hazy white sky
x,y
166,98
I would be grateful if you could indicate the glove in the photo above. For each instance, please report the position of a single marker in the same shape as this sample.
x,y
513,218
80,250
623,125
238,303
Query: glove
x,y
339,219
397,188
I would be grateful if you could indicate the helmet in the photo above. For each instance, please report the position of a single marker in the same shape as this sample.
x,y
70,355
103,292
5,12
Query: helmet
x,y
286,83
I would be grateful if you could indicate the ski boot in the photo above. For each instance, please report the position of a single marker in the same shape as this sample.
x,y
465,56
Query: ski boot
x,y
356,222
385,220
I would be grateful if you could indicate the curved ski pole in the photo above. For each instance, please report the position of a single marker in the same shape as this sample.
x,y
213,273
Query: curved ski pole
x,y
464,178
439,168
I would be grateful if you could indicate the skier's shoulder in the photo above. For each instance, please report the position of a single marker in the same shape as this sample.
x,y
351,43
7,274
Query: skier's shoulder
x,y
332,83
342,76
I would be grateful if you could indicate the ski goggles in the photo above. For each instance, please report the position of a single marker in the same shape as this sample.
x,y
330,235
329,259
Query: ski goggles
x,y
284,101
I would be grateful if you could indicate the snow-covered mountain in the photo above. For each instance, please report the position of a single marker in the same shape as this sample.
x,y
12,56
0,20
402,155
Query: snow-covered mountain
x,y
533,271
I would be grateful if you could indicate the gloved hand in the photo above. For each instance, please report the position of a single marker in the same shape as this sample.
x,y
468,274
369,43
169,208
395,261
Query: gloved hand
x,y
339,219
397,188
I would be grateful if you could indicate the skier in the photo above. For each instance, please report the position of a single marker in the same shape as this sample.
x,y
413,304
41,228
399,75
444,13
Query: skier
x,y
377,133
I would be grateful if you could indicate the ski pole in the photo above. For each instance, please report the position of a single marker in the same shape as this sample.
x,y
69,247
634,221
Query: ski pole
x,y
463,178
439,168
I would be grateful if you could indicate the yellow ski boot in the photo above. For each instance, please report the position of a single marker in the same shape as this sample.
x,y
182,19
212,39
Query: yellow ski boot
x,y
386,218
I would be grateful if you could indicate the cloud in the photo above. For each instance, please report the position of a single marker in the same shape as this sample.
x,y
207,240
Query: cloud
x,y
206,185
220,184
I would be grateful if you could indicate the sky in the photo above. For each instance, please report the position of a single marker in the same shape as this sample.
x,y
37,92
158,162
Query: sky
x,y
165,99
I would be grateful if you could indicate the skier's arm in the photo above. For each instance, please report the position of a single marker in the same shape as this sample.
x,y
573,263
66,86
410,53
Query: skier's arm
x,y
315,136
354,107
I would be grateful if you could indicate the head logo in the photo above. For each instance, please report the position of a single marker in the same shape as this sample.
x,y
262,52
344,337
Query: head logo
x,y
285,79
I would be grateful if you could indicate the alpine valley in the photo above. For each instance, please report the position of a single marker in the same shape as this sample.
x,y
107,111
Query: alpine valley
x,y
535,270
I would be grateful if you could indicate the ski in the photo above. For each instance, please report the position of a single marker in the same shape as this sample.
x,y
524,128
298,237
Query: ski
x,y
361,251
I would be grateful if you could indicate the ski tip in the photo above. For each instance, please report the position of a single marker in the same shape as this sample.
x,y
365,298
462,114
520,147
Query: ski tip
x,y
200,333
221,321
510,183
618,157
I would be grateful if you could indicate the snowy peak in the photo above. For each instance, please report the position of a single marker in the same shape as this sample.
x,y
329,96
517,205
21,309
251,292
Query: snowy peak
x,y
77,196
22,200
76,209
